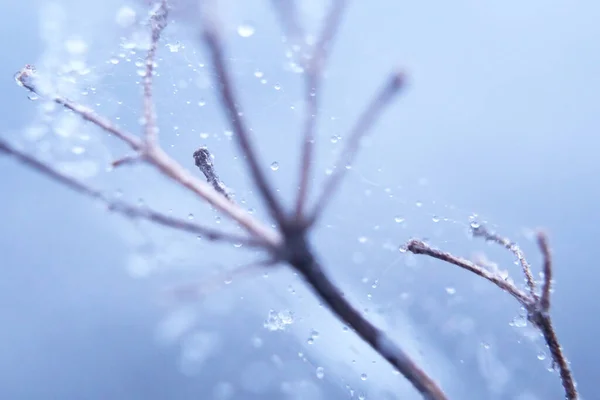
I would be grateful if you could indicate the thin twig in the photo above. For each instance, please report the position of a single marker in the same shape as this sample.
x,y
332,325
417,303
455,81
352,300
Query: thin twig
x,y
537,306
313,73
361,128
212,40
287,13
156,157
123,208
481,231
547,268
158,22
203,160
419,247
25,78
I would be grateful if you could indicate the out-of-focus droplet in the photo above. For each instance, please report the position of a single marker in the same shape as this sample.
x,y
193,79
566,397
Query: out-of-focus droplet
x,y
435,218
398,219
450,290
274,165
320,372
277,86
125,17
419,204
245,30
174,47
258,74
204,135
190,216
201,103
363,377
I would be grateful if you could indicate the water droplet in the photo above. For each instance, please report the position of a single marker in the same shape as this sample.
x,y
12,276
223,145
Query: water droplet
x,y
245,30
190,216
258,74
114,61
33,97
277,86
174,47
204,135
238,245
398,219
541,356
475,225
125,16
419,204
274,165
363,377
320,372
78,150
76,46
201,103
485,345
450,290
435,218
277,321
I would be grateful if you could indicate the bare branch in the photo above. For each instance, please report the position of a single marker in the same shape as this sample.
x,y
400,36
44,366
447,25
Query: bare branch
x,y
365,122
303,261
123,208
481,231
537,307
287,14
419,247
158,22
25,78
156,157
203,160
547,286
213,42
313,73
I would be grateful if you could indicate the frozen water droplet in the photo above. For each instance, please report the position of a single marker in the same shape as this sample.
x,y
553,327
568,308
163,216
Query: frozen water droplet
x,y
277,321
274,165
174,47
320,372
245,30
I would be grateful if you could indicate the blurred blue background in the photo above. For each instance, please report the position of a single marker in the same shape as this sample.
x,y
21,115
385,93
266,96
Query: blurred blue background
x,y
498,124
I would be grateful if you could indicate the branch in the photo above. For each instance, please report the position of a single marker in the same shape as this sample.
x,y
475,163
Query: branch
x,y
546,288
229,103
123,208
537,306
313,72
156,157
365,122
301,258
158,22
203,160
419,247
481,231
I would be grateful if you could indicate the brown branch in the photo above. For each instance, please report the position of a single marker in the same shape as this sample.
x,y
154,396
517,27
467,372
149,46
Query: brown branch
x,y
547,267
203,160
158,22
481,231
537,306
155,156
123,208
299,256
365,122
213,42
313,72
419,247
